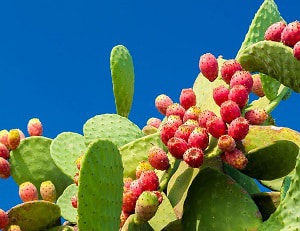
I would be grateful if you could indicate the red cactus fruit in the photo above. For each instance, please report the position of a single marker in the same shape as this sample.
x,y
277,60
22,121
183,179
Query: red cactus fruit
x,y
123,217
4,137
153,121
242,78
257,88
35,127
193,157
256,116
3,219
220,94
216,127
175,109
143,166
199,138
228,68
204,116
4,152
235,158
167,131
192,113
136,187
28,192
129,201
291,34
238,128
226,143
175,120
187,98
4,168
239,94
229,110
149,181
184,131
273,32
177,146
162,102
209,67
158,158
296,51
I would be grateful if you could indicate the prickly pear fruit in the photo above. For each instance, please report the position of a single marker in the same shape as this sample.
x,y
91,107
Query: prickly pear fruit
x,y
162,102
239,94
13,138
48,191
14,228
193,157
129,200
296,51
177,146
216,126
235,158
4,137
158,158
187,98
35,127
175,109
149,181
291,34
3,219
146,206
184,131
167,131
155,122
257,88
149,129
204,116
28,192
74,201
243,78
136,187
4,168
273,32
226,143
238,128
199,138
228,68
229,111
256,116
220,94
208,65
127,181
142,167
4,152
192,113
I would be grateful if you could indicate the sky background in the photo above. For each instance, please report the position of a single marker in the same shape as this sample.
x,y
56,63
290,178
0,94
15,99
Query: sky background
x,y
54,58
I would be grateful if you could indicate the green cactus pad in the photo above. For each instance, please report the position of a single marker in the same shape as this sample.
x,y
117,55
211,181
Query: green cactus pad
x,y
116,128
68,212
216,202
136,151
32,161
270,86
122,72
245,181
203,89
266,15
61,228
285,186
286,217
34,215
100,187
273,161
267,202
173,226
131,225
164,215
273,59
65,149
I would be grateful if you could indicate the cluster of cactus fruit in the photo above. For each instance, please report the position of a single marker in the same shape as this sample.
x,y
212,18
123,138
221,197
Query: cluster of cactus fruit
x,y
196,168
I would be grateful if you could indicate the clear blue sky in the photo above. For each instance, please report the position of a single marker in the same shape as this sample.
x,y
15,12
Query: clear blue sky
x,y
54,58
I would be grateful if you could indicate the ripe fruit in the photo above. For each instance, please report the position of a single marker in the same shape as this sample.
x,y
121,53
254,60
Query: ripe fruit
x,y
74,201
175,120
187,98
204,116
239,94
48,191
296,50
4,137
162,102
126,183
242,78
28,192
257,88
149,181
220,94
216,127
35,127
199,138
208,65
256,116
123,217
238,128
136,187
228,68
177,147
13,138
184,131
4,168
193,157
4,152
167,132
192,113
229,110
155,122
175,109
14,228
142,167
3,219
291,34
129,200
235,158
158,158
226,143
273,33
146,206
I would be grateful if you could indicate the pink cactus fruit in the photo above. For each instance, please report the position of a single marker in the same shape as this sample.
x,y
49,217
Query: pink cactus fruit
x,y
129,201
177,146
204,116
296,51
158,158
13,138
162,102
4,168
235,158
187,98
153,121
216,127
126,183
273,32
149,180
256,116
192,113
175,120
220,94
146,207
136,187
74,201
193,157
226,143
229,110
209,67
238,128
22,136
34,127
192,123
48,191
242,78
3,219
184,131
239,94
291,34
143,166
167,131
228,68
4,152
175,109
14,228
257,88
28,192
159,196
4,137
199,138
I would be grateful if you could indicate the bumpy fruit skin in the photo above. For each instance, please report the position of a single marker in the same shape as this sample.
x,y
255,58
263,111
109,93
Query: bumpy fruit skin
x,y
35,127
167,131
3,219
123,217
175,109
192,113
146,206
209,67
204,116
256,116
184,131
238,128
296,51
74,201
155,122
143,166
235,158
48,191
174,120
4,137
28,192
149,181
126,183
194,157
243,78
273,33
4,168
177,146
13,138
257,88
239,94
199,138
4,152
187,98
162,102
158,158
129,200
220,94
136,187
14,228
216,127
226,143
291,34
229,110
228,68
